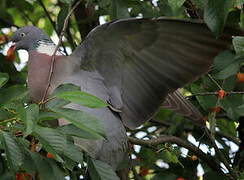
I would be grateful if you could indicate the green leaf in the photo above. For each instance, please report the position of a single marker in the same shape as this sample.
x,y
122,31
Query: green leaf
x,y
223,60
7,176
5,114
176,6
205,102
44,116
46,168
227,126
12,150
28,164
215,14
150,157
12,93
69,163
228,71
32,112
67,1
231,105
229,83
52,140
119,10
240,110
169,157
65,87
82,98
72,130
56,103
241,176
238,43
165,176
3,79
73,152
210,175
58,173
82,120
242,18
239,2
99,170
55,142
23,5
62,15
200,3
176,3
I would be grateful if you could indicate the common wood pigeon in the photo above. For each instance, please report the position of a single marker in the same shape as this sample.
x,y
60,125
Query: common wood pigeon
x,y
136,65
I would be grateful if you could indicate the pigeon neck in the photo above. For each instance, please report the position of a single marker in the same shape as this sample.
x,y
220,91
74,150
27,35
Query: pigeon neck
x,y
38,73
47,47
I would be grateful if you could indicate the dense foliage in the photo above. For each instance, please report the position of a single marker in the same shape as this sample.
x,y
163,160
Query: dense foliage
x,y
32,149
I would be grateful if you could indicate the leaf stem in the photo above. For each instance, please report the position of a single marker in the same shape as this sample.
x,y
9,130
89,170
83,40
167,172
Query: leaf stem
x,y
8,120
214,81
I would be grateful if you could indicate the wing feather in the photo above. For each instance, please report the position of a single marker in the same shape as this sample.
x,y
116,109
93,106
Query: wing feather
x,y
143,60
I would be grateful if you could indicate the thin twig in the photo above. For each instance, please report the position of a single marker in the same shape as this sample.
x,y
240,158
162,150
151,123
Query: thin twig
x,y
52,22
56,49
172,139
214,81
221,155
214,93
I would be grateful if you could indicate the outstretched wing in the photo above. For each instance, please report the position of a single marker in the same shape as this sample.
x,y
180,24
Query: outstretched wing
x,y
141,61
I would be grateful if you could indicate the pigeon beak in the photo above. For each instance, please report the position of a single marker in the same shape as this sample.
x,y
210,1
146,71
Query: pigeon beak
x,y
12,48
10,53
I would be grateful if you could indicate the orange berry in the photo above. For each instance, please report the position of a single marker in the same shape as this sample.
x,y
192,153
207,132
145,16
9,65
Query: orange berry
x,y
240,77
23,176
194,158
221,94
143,171
49,155
180,178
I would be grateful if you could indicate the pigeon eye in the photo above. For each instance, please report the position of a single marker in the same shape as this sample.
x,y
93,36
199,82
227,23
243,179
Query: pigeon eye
x,y
22,34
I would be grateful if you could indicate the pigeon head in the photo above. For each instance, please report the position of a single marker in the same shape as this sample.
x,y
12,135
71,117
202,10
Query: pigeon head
x,y
29,38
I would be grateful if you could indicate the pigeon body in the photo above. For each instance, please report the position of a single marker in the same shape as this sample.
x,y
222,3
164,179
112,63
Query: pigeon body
x,y
136,65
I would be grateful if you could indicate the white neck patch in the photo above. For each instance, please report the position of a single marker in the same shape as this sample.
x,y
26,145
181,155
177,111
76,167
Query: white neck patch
x,y
48,49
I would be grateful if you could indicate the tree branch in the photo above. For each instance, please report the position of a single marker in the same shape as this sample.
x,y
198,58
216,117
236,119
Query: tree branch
x,y
172,139
7,22
52,22
86,18
56,49
217,133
